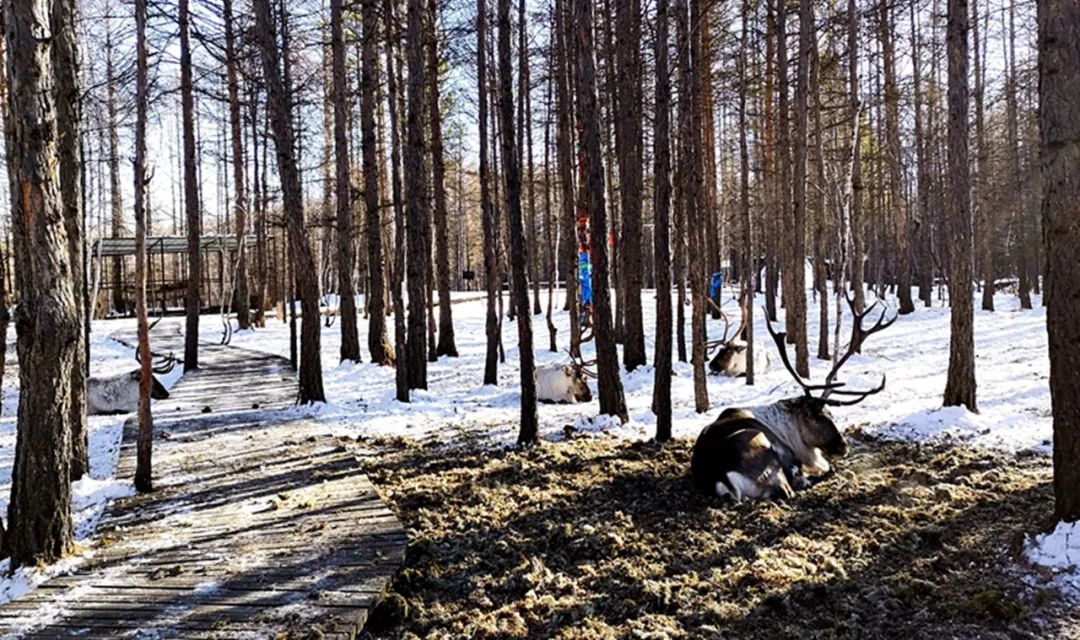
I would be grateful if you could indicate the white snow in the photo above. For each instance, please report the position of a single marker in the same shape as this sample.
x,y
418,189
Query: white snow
x,y
1059,553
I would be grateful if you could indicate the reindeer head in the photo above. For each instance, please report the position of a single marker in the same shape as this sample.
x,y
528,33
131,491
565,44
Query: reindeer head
x,y
811,411
579,373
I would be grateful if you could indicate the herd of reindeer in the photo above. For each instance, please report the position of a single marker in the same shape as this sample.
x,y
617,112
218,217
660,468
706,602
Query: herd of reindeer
x,y
763,452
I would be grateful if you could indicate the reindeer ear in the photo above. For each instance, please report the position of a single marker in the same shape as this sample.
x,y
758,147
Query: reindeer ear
x,y
568,370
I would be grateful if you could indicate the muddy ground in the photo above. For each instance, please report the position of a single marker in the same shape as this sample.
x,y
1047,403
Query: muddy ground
x,y
604,538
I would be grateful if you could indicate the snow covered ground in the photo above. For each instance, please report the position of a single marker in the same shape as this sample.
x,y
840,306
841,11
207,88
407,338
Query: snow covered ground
x,y
90,494
1011,369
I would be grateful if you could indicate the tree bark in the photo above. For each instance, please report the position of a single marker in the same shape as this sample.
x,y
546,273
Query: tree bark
x,y
518,251
446,345
661,236
858,289
564,141
897,202
306,279
960,386
629,142
378,342
1020,213
488,220
401,373
795,299
115,195
47,319
1059,124
612,401
191,195
144,445
66,65
346,257
416,208
243,298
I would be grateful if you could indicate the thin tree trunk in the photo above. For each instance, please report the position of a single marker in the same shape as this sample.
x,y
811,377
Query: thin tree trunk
x,y
661,235
378,342
416,207
446,345
346,256
306,279
629,142
488,220
612,401
564,140
897,202
143,462
960,386
243,298
795,299
746,279
191,196
400,333
1020,209
858,250
518,259
116,198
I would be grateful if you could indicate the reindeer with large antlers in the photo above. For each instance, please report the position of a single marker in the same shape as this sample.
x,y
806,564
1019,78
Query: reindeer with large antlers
x,y
768,451
730,359
565,383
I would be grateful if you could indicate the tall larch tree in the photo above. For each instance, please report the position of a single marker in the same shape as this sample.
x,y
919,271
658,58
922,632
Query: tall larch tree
x,y
144,444
66,64
518,251
487,210
236,133
47,317
416,201
661,233
795,297
303,264
628,136
612,400
346,254
960,385
1059,162
191,194
401,347
446,345
378,343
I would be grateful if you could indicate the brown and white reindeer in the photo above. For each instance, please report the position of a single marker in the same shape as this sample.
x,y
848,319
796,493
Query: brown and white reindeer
x,y
120,393
565,383
768,451
730,360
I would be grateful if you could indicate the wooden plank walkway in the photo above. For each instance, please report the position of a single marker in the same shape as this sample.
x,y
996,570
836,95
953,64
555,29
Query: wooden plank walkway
x,y
260,525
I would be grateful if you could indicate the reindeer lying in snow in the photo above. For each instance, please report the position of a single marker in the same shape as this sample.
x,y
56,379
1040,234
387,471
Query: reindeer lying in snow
x,y
564,383
764,452
730,360
120,393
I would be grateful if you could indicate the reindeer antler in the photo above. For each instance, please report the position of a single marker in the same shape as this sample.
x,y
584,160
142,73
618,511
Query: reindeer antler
x,y
779,338
858,336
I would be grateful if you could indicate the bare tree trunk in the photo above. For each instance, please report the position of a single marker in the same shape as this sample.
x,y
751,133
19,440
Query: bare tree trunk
x,y
564,140
629,142
143,462
243,298
612,401
378,342
346,263
116,199
47,319
416,199
446,345
191,196
960,386
400,333
661,236
525,146
278,104
66,64
922,234
518,259
795,299
489,221
858,250
897,203
1059,75
1019,207
746,278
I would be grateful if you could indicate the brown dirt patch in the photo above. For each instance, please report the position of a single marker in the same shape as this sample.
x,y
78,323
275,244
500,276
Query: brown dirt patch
x,y
605,538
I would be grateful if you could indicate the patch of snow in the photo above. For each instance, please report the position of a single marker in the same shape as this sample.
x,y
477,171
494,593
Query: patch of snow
x,y
1059,553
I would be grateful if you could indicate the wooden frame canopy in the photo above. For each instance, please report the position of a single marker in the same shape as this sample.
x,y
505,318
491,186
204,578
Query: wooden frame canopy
x,y
117,247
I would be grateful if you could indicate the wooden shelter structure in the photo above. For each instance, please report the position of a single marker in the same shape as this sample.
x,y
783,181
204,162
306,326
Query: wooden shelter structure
x,y
167,271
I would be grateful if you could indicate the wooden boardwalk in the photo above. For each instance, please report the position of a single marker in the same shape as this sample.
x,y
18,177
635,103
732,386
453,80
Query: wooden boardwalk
x,y
260,525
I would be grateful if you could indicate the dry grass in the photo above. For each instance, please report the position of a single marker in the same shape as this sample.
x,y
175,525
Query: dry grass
x,y
604,538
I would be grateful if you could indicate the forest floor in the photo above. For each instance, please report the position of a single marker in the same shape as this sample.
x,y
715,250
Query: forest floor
x,y
601,537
